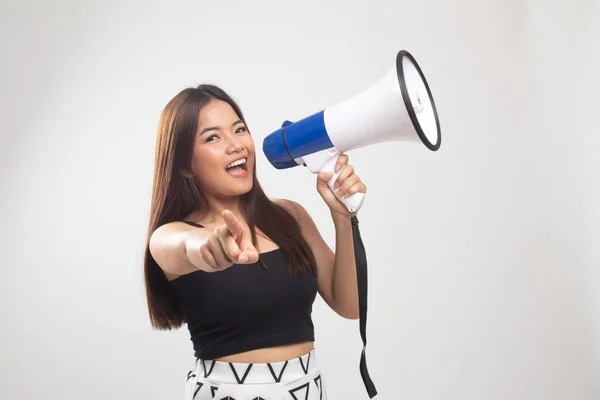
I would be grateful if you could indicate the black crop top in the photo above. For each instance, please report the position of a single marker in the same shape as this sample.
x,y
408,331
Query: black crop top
x,y
246,306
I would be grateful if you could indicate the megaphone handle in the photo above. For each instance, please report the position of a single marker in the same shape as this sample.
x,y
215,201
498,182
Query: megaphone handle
x,y
325,161
352,203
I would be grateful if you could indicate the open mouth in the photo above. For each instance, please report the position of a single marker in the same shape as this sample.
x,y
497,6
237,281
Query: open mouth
x,y
238,168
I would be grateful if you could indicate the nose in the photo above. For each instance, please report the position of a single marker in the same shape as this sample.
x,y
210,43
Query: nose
x,y
234,144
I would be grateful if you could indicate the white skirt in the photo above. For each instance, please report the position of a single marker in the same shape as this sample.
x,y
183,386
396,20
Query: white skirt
x,y
296,379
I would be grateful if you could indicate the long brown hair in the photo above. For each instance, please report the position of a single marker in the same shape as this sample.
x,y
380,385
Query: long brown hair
x,y
174,197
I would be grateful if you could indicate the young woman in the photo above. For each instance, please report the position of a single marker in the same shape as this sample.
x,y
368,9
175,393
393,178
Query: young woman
x,y
241,270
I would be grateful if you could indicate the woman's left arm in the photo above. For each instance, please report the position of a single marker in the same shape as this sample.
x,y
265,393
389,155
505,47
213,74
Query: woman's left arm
x,y
337,283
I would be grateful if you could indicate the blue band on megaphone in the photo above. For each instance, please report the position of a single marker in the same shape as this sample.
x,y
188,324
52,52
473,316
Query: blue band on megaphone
x,y
276,150
295,140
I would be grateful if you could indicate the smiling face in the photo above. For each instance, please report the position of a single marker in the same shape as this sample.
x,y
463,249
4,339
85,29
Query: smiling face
x,y
223,157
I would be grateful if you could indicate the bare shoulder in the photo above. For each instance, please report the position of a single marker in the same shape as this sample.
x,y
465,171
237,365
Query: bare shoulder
x,y
294,208
305,221
168,247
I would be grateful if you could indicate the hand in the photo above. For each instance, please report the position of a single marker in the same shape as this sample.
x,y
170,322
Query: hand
x,y
230,243
346,184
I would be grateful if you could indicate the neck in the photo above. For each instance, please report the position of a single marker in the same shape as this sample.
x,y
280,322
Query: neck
x,y
216,205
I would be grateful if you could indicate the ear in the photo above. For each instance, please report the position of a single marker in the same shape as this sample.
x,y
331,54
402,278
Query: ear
x,y
186,173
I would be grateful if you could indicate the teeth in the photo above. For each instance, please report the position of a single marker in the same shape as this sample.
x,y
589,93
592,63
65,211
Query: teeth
x,y
235,163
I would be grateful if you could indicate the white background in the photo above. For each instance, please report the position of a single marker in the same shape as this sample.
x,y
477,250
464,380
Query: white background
x,y
483,257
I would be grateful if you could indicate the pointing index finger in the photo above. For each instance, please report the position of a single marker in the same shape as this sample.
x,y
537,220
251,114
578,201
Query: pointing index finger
x,y
233,224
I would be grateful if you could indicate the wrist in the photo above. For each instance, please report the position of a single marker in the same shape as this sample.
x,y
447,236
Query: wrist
x,y
340,218
191,248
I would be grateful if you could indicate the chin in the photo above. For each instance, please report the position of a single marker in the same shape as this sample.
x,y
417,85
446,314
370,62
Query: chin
x,y
240,190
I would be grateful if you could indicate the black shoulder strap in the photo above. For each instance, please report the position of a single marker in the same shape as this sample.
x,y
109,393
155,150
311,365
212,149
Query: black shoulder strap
x,y
361,276
193,224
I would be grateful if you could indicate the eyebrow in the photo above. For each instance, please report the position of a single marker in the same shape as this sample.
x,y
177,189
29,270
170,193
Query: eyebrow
x,y
215,128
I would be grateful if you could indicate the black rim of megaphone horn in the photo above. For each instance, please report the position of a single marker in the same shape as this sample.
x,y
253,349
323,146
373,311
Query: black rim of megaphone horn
x,y
408,103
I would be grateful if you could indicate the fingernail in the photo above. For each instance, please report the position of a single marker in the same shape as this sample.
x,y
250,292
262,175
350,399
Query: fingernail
x,y
338,167
243,258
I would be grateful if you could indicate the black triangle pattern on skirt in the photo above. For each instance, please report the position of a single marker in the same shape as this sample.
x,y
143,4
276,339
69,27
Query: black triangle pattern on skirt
x,y
318,383
277,378
305,369
200,384
237,377
190,375
212,365
299,388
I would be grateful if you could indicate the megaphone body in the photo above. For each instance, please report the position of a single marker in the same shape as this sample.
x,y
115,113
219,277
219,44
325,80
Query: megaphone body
x,y
399,107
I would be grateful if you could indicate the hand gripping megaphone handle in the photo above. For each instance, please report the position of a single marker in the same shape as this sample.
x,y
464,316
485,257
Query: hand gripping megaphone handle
x,y
352,203
324,161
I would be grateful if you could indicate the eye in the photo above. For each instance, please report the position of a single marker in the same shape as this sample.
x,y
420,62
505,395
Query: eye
x,y
210,138
241,129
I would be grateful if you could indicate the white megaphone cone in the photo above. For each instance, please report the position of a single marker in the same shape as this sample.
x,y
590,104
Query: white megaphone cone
x,y
399,107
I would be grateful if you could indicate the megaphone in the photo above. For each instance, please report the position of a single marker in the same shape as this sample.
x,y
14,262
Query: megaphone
x,y
399,107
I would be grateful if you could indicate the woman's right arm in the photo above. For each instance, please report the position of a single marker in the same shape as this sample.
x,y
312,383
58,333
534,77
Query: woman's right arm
x,y
179,248
176,248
